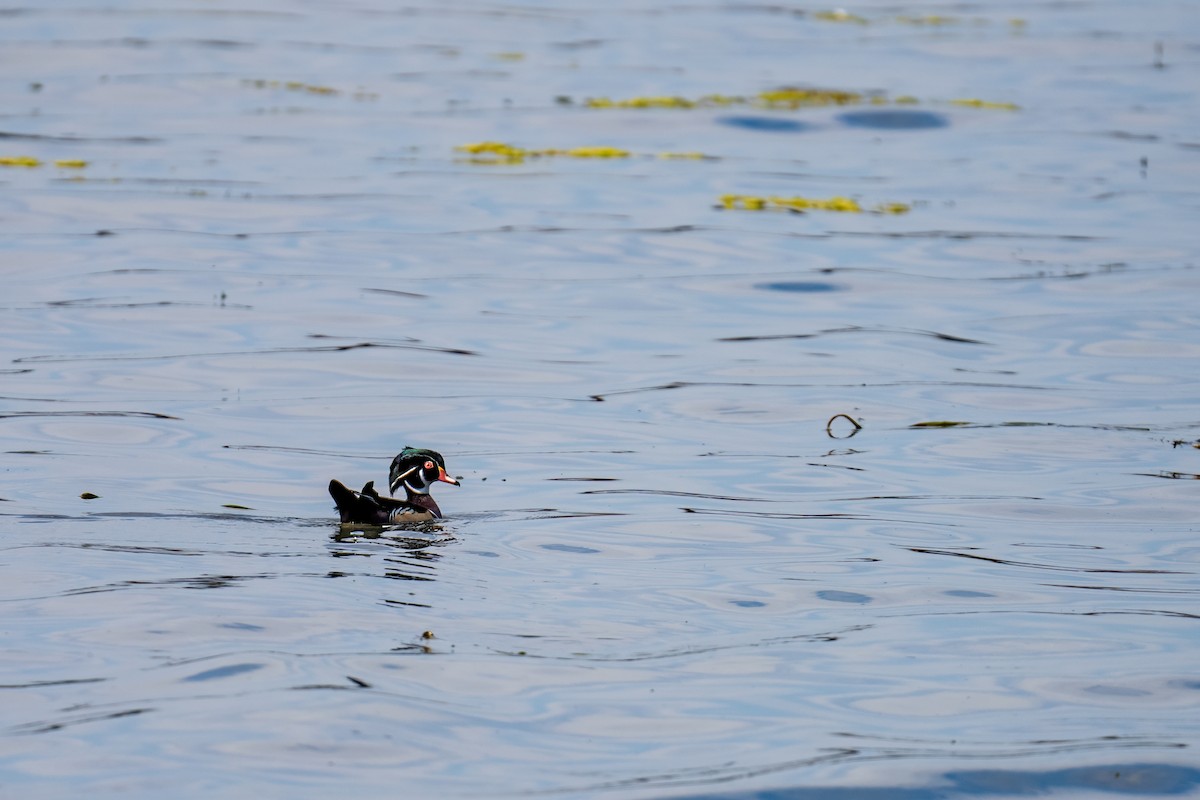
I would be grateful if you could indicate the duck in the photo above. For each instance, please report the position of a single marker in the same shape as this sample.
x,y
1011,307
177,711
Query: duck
x,y
414,468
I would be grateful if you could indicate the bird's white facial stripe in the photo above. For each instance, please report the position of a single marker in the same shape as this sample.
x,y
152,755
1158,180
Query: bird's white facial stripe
x,y
400,478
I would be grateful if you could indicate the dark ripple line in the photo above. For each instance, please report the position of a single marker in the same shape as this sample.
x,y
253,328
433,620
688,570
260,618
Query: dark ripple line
x,y
130,548
828,636
947,234
204,515
185,182
116,548
1036,565
80,11
152,550
333,348
1169,475
855,329
709,775
1097,269
670,493
935,497
583,480
39,684
966,779
1131,589
41,137
1099,426
196,582
243,654
98,302
724,512
143,414
601,397
47,727
506,229
1133,612
270,448
928,234
573,514
395,293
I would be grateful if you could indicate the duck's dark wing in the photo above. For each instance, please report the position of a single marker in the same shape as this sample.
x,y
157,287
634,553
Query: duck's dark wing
x,y
362,507
369,507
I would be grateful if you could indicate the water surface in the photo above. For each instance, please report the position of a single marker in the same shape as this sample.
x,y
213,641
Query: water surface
x,y
663,575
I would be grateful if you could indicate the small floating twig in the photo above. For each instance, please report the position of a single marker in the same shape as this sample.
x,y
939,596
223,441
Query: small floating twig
x,y
848,418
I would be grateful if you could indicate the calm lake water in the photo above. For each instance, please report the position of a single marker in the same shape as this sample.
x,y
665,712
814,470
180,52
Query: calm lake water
x,y
243,254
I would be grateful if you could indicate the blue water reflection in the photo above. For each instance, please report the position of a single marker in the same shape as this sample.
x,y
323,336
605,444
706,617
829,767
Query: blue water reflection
x,y
765,124
894,120
800,286
1131,780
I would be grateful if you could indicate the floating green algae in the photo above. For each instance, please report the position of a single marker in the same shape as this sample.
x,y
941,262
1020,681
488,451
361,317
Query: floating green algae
x,y
839,203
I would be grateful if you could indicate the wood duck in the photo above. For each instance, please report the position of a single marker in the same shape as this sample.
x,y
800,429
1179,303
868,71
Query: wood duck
x,y
413,468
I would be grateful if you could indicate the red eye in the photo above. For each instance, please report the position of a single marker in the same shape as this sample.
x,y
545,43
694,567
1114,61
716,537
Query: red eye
x,y
428,465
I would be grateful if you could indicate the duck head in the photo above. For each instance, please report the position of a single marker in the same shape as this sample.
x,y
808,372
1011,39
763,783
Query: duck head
x,y
416,470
